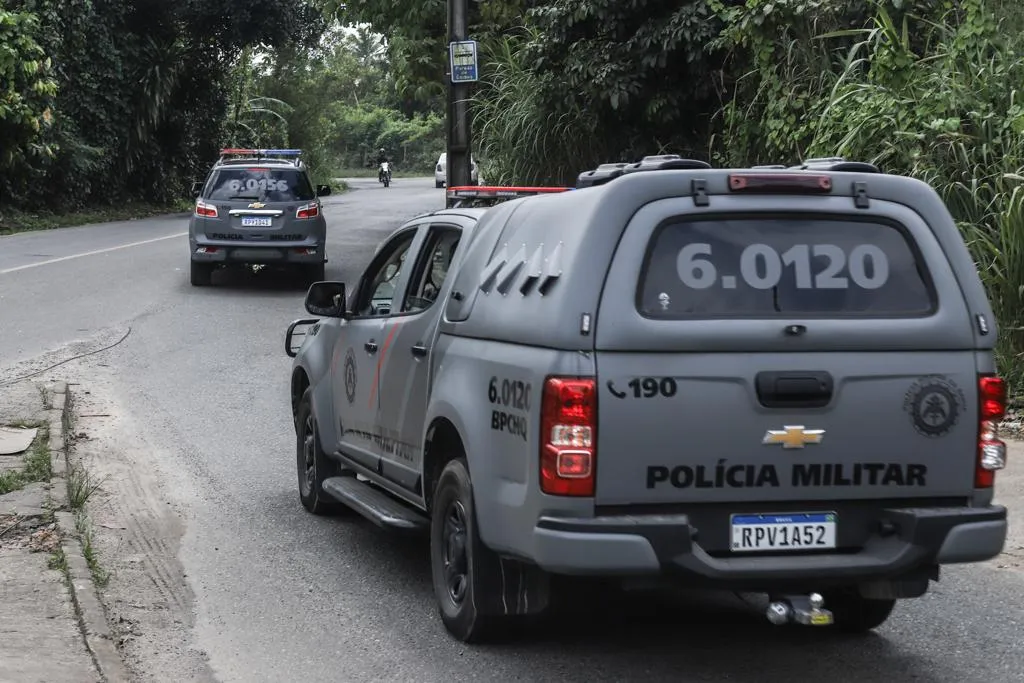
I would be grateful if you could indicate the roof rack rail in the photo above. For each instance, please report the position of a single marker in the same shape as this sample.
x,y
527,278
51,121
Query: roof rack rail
x,y
661,162
463,196
836,164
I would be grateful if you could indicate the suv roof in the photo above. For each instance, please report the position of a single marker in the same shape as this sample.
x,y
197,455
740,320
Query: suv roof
x,y
272,157
585,226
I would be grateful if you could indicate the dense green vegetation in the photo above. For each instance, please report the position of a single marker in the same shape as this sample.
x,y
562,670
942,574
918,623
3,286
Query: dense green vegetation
x,y
122,101
108,106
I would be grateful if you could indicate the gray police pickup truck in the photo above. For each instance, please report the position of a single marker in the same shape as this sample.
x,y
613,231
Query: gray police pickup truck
x,y
769,380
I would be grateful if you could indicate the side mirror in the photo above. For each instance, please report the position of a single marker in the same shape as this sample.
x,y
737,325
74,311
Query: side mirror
x,y
323,190
326,299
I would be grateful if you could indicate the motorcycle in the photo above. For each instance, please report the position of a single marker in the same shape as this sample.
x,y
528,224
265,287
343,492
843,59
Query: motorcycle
x,y
384,173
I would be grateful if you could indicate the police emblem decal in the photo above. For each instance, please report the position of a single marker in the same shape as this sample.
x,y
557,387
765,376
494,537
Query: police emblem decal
x,y
934,405
350,375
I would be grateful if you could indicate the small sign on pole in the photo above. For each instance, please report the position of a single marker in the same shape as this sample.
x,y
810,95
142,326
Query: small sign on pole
x,y
463,61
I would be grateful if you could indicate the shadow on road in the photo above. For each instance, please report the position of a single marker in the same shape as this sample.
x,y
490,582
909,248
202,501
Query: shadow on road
x,y
242,280
616,636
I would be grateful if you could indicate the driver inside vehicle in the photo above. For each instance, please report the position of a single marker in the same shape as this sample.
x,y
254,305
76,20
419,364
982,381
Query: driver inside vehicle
x,y
383,287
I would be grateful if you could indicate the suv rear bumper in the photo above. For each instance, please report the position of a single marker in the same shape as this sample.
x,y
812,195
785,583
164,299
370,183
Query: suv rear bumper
x,y
665,544
260,253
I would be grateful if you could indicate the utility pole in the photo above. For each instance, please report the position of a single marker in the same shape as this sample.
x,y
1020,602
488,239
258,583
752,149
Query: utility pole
x,y
459,138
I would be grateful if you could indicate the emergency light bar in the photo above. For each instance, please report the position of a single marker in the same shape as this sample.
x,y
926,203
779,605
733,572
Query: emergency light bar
x,y
260,153
490,194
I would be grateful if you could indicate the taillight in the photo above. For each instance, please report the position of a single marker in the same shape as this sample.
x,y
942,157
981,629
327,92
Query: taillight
x,y
991,449
205,210
308,211
568,430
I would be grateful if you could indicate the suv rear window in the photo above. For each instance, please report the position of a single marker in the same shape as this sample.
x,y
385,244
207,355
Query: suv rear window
x,y
779,266
260,183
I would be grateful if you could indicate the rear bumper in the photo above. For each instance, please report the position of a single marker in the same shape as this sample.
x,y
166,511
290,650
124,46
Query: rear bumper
x,y
258,253
920,538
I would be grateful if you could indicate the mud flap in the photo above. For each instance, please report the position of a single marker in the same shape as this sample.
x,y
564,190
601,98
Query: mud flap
x,y
509,587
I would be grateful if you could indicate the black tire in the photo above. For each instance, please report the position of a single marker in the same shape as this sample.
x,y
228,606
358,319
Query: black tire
x,y
315,272
311,463
854,613
459,561
438,184
201,274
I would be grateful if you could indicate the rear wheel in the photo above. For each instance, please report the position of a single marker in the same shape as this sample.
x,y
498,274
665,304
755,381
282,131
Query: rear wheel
x,y
854,613
312,464
438,183
460,564
315,272
201,274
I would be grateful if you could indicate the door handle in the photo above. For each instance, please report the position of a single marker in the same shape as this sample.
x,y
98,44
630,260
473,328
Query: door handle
x,y
419,350
370,346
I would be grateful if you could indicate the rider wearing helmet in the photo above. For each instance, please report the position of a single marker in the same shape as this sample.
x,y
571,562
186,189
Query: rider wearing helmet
x,y
381,158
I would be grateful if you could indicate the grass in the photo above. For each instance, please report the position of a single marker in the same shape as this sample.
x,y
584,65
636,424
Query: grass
x,y
81,486
15,220
37,464
84,528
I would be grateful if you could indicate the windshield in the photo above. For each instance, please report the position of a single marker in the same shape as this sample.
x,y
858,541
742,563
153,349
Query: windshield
x,y
263,184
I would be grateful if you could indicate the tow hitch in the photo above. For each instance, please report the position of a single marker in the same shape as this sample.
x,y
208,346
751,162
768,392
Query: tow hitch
x,y
801,609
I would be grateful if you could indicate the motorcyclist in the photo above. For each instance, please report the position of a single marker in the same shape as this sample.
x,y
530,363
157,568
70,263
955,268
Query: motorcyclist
x,y
381,158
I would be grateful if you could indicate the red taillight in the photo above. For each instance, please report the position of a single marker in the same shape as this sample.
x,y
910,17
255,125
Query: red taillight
x,y
568,433
991,449
308,211
205,210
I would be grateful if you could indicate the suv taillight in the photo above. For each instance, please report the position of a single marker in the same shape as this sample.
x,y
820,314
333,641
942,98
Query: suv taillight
x,y
568,431
308,211
205,210
991,450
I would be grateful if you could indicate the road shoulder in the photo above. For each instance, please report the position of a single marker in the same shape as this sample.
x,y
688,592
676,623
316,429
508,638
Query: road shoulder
x,y
50,604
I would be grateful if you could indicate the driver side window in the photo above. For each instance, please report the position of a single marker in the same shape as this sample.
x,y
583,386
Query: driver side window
x,y
381,279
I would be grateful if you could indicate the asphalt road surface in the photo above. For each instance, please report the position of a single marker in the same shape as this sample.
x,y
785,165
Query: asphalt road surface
x,y
220,575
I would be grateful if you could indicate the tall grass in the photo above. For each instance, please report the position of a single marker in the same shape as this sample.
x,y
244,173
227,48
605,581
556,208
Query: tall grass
x,y
932,95
523,136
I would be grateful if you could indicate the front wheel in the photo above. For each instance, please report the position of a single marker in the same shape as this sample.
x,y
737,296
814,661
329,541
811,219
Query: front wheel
x,y
312,464
459,561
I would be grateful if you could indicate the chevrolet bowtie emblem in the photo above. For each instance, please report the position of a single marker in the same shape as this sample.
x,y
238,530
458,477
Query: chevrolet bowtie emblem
x,y
256,205
793,436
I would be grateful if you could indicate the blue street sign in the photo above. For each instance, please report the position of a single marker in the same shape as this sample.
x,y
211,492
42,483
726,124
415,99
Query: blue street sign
x,y
463,61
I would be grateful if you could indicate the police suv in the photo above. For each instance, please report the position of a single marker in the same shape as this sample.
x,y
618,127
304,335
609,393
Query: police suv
x,y
258,207
769,380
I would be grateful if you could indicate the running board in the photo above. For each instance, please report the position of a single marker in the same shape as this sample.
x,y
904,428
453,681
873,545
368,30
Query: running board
x,y
374,504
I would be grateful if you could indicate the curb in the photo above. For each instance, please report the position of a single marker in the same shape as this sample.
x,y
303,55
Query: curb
x,y
91,615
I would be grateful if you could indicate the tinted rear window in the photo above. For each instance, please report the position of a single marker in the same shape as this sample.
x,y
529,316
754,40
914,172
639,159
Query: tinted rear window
x,y
766,267
264,184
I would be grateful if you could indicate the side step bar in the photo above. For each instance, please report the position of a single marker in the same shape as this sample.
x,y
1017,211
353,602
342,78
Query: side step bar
x,y
374,504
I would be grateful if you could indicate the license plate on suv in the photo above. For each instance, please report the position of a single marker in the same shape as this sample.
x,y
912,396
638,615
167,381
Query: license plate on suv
x,y
253,222
792,531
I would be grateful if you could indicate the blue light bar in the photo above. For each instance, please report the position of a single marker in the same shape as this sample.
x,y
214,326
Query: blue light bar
x,y
262,152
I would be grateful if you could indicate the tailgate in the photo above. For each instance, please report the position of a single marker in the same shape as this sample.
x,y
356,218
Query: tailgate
x,y
784,349
777,427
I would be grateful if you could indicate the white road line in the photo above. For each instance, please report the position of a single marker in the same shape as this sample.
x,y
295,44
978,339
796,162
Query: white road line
x,y
91,253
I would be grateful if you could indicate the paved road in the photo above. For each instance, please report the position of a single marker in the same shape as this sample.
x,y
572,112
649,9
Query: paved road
x,y
282,596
